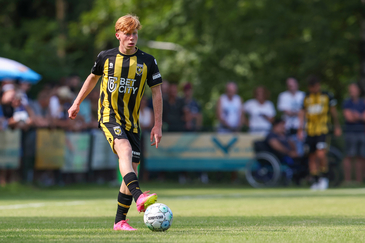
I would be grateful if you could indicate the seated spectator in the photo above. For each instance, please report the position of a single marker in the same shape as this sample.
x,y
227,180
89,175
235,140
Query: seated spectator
x,y
174,112
193,117
261,112
230,110
354,113
40,107
20,118
290,103
279,142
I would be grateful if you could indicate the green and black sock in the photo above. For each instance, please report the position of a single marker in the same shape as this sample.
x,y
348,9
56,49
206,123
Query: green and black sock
x,y
124,203
132,183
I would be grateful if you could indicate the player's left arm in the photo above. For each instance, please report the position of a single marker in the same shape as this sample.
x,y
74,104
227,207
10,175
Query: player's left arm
x,y
156,132
336,123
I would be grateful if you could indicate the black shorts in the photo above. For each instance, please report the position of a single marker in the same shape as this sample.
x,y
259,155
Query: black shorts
x,y
114,130
315,143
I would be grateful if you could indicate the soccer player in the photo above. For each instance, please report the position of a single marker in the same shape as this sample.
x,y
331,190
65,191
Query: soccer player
x,y
317,105
125,70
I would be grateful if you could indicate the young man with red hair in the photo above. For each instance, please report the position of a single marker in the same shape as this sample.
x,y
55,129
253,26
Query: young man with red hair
x,y
125,70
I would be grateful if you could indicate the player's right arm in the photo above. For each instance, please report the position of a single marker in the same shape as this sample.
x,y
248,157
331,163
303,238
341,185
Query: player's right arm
x,y
89,84
301,117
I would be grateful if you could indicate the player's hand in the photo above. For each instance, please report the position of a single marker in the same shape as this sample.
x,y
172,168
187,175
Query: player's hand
x,y
338,131
73,111
300,134
156,135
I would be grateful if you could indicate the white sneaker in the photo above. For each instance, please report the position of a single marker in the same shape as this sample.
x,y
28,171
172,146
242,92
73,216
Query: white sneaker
x,y
323,183
315,186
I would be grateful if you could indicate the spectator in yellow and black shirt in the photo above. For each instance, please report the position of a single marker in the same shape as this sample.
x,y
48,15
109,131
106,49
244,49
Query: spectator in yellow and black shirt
x,y
317,105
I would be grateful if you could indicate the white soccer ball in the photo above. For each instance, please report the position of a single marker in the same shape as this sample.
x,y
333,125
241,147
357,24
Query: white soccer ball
x,y
158,217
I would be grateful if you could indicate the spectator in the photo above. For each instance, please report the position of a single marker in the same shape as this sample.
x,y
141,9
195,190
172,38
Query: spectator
x,y
59,113
230,110
93,98
24,87
8,93
20,118
354,113
194,116
284,148
174,112
279,141
145,116
74,83
40,107
261,112
290,103
3,121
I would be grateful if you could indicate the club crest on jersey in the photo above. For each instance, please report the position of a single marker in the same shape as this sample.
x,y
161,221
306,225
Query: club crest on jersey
x,y
117,130
139,69
112,84
111,65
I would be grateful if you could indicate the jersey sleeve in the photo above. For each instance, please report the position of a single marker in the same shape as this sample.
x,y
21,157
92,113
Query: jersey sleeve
x,y
98,67
154,76
332,100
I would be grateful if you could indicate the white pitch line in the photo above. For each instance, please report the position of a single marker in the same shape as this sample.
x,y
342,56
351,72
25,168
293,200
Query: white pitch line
x,y
38,205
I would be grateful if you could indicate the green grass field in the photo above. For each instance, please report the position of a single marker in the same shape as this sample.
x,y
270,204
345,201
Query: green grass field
x,y
202,214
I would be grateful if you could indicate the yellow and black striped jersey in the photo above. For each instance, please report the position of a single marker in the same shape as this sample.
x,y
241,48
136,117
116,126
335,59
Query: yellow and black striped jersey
x,y
122,85
317,107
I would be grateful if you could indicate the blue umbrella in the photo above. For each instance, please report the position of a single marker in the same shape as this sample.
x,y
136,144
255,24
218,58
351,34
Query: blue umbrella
x,y
10,69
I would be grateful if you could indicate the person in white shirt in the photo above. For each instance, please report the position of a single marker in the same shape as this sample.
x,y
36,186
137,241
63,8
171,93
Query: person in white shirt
x,y
261,112
230,110
290,103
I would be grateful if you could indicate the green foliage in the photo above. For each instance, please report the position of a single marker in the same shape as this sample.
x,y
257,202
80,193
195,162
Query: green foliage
x,y
254,42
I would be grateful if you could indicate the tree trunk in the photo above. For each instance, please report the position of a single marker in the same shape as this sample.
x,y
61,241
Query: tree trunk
x,y
60,16
362,47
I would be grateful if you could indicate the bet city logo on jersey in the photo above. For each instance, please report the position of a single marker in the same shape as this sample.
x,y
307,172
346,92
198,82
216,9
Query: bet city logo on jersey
x,y
126,85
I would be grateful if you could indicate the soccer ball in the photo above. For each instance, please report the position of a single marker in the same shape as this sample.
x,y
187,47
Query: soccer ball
x,y
158,217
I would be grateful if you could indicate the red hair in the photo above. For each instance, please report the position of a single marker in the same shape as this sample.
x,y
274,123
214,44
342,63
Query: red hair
x,y
128,23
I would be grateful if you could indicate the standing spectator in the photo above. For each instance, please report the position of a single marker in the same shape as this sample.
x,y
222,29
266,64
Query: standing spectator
x,y
290,103
354,113
230,114
317,105
145,116
230,110
261,112
194,116
174,112
40,107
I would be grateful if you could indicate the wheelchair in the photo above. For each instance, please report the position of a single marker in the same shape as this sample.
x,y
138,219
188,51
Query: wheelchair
x,y
267,170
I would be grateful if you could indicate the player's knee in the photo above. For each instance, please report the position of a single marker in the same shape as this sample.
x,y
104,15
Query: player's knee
x,y
321,154
123,148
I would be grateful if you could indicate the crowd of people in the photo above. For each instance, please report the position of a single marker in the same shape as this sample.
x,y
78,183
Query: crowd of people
x,y
184,114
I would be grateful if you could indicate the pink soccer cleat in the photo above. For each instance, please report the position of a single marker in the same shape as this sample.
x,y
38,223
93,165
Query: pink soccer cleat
x,y
123,225
145,200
